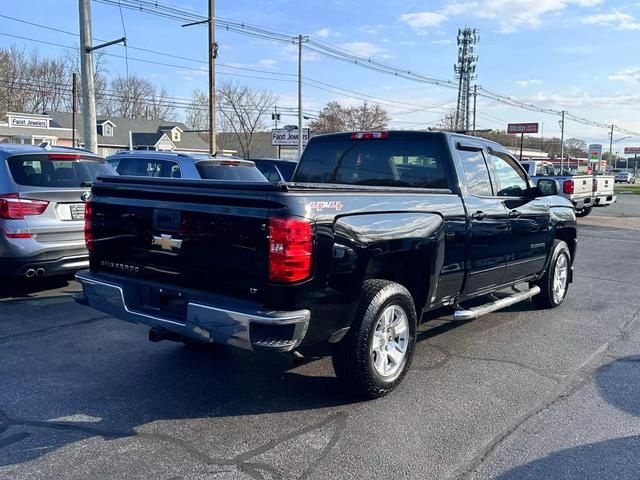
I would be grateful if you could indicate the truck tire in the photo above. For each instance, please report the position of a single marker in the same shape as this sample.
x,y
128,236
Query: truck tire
x,y
374,356
555,281
583,212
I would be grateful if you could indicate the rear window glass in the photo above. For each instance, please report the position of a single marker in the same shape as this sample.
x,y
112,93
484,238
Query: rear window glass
x,y
286,169
148,167
240,173
373,162
40,171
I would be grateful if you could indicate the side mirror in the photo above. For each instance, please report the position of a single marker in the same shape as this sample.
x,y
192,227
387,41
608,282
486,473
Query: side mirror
x,y
547,187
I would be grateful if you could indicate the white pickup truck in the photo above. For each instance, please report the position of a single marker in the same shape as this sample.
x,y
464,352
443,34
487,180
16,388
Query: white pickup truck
x,y
578,189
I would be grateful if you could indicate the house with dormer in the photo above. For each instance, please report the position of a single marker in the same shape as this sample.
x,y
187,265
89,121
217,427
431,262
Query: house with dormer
x,y
114,133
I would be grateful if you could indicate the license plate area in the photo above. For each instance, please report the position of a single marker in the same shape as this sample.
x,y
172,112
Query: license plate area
x,y
162,302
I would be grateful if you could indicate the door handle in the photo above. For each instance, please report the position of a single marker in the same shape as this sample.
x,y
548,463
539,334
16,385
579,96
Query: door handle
x,y
514,214
479,215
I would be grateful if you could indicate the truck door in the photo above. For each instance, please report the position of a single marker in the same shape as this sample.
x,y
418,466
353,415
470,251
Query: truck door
x,y
529,218
489,224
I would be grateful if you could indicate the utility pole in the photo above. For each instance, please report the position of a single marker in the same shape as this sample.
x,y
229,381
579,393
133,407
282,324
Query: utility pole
x,y
475,99
611,148
89,123
213,54
562,143
74,106
300,40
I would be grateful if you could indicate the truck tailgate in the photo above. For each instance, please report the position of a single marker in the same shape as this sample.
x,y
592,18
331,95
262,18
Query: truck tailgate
x,y
210,238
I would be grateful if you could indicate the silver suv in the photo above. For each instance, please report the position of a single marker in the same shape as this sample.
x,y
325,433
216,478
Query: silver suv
x,y
42,208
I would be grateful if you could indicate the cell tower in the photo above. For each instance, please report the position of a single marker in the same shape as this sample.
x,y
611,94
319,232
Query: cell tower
x,y
465,72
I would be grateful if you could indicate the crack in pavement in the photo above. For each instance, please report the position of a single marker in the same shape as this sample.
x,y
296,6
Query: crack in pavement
x,y
565,388
243,462
54,327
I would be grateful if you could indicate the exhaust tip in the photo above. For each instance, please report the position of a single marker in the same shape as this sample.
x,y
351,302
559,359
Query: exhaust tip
x,y
40,272
30,273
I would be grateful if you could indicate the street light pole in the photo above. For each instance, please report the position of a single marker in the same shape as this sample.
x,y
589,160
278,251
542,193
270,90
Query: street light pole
x,y
611,148
299,96
562,143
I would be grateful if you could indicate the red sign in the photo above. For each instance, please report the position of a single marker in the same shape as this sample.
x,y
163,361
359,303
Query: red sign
x,y
631,149
522,128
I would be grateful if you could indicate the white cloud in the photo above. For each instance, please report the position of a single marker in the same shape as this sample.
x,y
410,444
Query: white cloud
x,y
366,49
291,54
526,83
372,29
443,41
326,33
422,20
510,15
267,63
616,19
628,74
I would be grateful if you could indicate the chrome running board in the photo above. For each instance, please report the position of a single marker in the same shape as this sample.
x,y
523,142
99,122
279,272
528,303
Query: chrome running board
x,y
475,312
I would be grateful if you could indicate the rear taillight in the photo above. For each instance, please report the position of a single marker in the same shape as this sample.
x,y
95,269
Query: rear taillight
x,y
290,248
12,207
594,186
88,225
369,135
567,187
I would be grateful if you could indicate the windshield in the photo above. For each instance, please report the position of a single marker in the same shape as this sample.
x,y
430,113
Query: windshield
x,y
234,173
42,171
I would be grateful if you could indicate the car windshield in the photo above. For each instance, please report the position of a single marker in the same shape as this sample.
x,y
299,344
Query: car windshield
x,y
54,170
236,173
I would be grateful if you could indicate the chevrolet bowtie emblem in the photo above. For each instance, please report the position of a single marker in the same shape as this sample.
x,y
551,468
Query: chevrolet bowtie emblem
x,y
166,242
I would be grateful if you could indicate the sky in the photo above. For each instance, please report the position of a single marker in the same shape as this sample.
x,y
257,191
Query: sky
x,y
574,55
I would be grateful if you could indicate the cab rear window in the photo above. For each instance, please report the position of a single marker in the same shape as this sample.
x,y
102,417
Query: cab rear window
x,y
42,171
417,164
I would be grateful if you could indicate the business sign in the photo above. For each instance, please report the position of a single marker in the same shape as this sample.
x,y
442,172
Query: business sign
x,y
286,137
28,122
522,128
632,150
595,152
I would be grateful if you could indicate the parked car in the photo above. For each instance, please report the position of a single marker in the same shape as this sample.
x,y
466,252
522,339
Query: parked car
x,y
374,229
157,164
276,170
42,208
625,177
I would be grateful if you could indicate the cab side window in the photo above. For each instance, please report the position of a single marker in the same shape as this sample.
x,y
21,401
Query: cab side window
x,y
476,173
511,180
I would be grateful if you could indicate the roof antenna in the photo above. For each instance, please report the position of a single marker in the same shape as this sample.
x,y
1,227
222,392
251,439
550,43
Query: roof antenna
x,y
45,145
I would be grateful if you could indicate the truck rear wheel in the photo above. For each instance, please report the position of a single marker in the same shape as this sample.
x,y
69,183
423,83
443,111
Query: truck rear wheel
x,y
583,212
555,282
374,356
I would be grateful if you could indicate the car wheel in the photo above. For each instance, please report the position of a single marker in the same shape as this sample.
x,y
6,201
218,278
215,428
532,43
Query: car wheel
x,y
374,356
555,281
583,212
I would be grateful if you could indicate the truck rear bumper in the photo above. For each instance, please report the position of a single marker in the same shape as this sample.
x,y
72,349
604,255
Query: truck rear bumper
x,y
207,318
605,200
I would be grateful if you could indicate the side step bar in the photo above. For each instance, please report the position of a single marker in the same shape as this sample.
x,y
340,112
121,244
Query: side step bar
x,y
475,312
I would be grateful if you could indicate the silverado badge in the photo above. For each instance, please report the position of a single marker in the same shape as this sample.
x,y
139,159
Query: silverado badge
x,y
166,242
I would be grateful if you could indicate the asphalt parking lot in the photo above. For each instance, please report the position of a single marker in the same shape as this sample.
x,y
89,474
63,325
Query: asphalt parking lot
x,y
517,394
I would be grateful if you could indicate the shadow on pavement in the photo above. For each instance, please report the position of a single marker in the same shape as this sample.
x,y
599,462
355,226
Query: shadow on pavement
x,y
19,288
618,458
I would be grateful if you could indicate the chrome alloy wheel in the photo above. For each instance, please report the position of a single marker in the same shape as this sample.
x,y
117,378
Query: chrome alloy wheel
x,y
560,278
390,341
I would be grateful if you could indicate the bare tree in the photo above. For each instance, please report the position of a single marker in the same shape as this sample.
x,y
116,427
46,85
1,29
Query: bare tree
x,y
197,114
576,147
336,118
448,121
129,97
244,110
160,106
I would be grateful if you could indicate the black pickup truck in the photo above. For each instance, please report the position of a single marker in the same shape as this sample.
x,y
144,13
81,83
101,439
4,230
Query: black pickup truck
x,y
374,229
